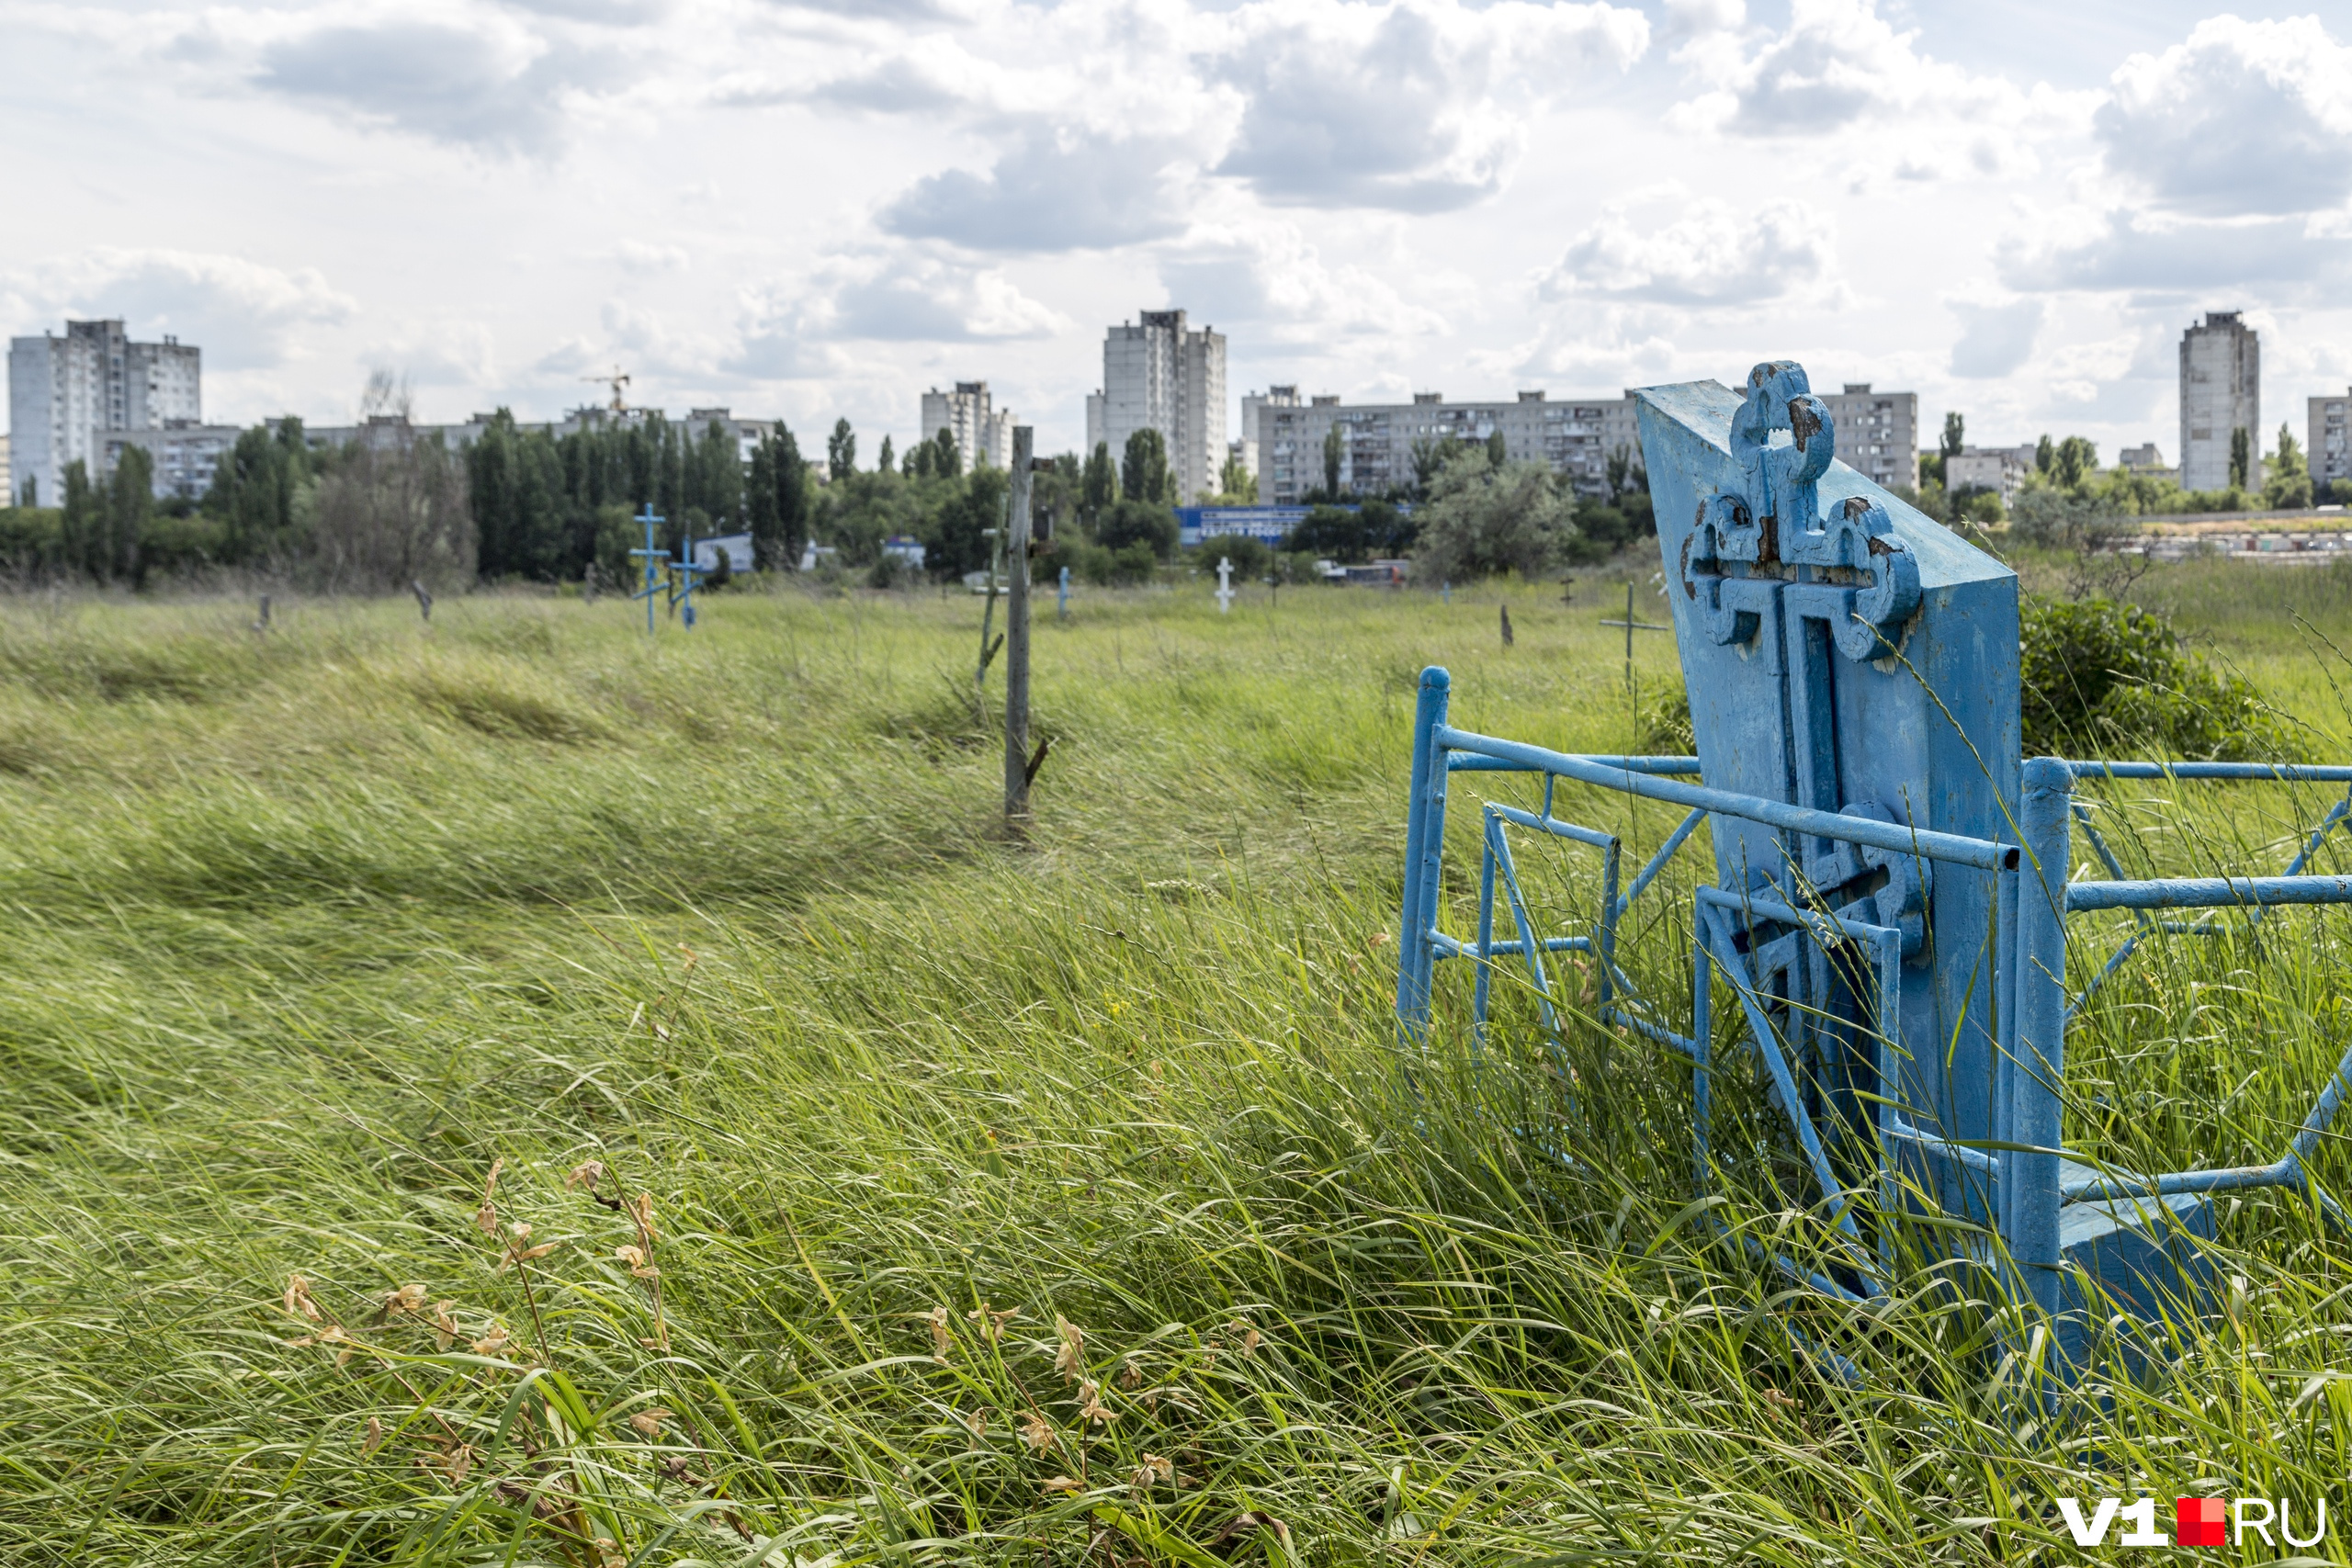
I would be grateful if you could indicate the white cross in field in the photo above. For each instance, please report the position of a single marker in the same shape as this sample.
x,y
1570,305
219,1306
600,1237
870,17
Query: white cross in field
x,y
1224,585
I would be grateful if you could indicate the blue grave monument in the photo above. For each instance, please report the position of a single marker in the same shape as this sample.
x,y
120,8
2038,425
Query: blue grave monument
x,y
1886,926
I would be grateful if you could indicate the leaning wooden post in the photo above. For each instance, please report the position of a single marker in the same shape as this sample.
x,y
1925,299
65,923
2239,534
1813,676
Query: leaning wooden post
x,y
1016,633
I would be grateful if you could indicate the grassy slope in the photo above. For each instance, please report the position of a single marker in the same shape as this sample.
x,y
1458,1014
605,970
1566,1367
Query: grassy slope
x,y
304,932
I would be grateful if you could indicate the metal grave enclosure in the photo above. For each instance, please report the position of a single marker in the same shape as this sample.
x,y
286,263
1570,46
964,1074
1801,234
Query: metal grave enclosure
x,y
1886,925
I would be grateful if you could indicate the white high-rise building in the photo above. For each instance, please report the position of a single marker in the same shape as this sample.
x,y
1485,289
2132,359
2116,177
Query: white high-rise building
x,y
1878,433
65,392
2221,393
983,433
1575,436
1253,404
2330,433
1160,374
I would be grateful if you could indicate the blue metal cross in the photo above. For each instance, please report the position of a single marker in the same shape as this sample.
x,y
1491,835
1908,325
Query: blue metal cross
x,y
687,580
654,562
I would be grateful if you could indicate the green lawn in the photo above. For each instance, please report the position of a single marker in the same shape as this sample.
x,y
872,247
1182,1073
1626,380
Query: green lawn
x,y
307,933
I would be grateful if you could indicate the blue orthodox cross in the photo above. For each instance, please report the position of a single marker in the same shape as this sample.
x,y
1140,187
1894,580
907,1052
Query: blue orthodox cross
x,y
686,576
655,560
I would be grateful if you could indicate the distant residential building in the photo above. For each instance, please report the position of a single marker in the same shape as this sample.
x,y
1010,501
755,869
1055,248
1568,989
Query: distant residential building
x,y
747,432
983,433
1094,436
182,456
1253,404
1878,433
2142,458
65,393
1160,374
2000,468
1575,437
2221,393
7,480
2329,447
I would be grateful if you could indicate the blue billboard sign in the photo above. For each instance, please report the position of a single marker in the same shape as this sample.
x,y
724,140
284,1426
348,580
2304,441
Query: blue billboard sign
x,y
1272,525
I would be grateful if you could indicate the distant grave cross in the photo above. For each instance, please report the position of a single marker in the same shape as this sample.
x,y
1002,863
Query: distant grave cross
x,y
685,579
1225,585
654,562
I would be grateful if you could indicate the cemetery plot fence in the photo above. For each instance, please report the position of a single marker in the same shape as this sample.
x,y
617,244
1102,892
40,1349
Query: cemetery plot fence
x,y
1886,925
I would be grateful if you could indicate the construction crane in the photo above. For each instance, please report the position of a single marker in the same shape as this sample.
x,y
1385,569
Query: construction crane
x,y
616,380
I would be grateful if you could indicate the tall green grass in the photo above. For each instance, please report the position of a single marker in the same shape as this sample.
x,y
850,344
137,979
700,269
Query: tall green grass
x,y
307,933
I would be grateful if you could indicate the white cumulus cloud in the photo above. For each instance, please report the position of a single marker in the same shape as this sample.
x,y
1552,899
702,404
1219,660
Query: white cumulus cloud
x,y
1995,337
2241,118
1417,107
882,296
1839,63
1269,279
1708,253
244,314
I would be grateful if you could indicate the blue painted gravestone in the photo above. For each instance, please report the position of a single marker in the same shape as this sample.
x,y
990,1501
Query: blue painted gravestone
x,y
1887,918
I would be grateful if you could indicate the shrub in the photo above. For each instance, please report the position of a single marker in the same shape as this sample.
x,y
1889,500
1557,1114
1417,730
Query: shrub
x,y
2098,678
1138,523
2103,678
1482,519
1251,558
1132,565
1332,531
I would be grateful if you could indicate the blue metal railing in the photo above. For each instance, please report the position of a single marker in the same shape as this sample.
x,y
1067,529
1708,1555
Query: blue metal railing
x,y
2023,1171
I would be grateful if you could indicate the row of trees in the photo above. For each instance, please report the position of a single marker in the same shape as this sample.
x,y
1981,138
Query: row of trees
x,y
396,506
2069,469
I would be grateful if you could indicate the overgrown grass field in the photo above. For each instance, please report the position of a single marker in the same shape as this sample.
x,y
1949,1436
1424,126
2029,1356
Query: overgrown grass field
x,y
899,1190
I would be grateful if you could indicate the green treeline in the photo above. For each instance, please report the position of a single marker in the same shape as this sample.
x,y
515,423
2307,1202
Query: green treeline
x,y
400,506
397,506
546,506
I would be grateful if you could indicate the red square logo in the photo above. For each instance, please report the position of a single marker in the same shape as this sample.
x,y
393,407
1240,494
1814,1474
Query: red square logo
x,y
2199,1520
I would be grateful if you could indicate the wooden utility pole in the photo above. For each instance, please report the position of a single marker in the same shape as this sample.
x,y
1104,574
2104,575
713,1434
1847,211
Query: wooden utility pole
x,y
1017,764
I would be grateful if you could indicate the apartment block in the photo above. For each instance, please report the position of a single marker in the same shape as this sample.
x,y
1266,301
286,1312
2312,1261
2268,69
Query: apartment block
x,y
1251,447
183,456
2221,393
2329,445
1878,433
2001,468
65,393
1377,440
1160,374
983,433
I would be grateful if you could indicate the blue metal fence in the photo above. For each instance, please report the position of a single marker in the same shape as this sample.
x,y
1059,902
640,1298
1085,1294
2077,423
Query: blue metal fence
x,y
1917,1076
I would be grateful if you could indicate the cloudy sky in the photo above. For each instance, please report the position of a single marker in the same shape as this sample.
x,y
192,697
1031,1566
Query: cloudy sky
x,y
822,207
